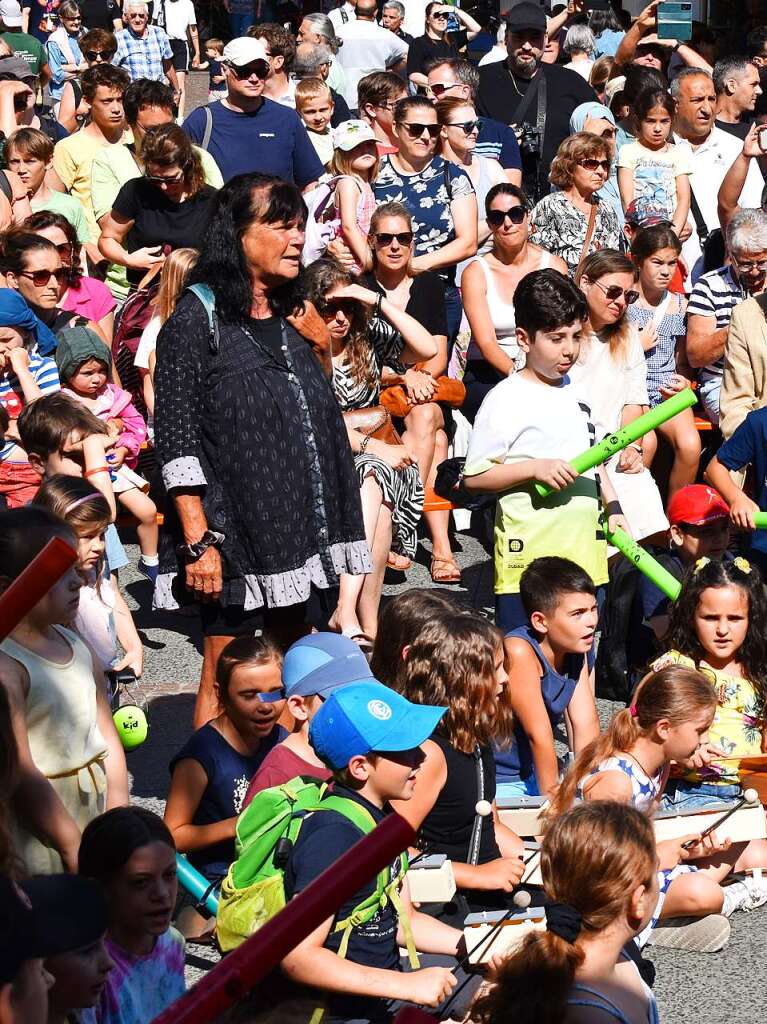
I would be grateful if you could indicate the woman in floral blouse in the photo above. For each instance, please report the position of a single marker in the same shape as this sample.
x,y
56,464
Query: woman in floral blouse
x,y
560,221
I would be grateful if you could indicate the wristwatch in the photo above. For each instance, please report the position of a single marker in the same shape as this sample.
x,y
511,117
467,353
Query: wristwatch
x,y
191,552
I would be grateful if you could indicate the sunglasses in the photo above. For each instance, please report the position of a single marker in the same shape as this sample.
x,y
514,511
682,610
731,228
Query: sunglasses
x,y
158,179
441,87
516,215
594,165
270,698
40,278
385,238
259,68
614,292
332,306
468,126
65,251
442,16
137,17
92,55
415,131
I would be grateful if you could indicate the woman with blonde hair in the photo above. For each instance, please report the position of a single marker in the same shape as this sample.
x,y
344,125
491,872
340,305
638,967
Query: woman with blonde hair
x,y
612,371
173,278
598,865
574,221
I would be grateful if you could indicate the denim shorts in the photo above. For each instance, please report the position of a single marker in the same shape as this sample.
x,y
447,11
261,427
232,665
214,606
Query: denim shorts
x,y
680,795
517,788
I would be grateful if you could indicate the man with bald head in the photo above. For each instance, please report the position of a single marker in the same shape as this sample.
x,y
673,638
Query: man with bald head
x,y
367,47
313,60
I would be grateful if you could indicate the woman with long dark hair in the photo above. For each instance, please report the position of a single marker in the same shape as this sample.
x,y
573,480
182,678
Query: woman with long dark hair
x,y
264,502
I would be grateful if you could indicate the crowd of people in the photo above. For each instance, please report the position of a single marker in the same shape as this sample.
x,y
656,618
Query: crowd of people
x,y
408,259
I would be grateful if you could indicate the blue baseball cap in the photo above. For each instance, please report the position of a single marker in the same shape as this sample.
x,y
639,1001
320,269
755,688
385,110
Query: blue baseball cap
x,y
320,663
365,717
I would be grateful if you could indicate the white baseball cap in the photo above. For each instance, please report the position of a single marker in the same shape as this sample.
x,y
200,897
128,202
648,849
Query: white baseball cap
x,y
240,52
352,133
10,13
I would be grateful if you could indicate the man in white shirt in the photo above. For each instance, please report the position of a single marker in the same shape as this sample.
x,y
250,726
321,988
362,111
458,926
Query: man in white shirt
x,y
712,152
367,47
344,14
280,46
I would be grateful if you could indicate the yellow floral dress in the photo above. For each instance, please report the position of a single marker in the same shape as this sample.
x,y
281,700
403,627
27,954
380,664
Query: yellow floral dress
x,y
737,725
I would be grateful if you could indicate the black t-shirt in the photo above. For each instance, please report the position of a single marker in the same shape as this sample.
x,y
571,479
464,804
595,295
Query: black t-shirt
x,y
99,14
157,220
740,131
341,110
426,304
500,95
425,49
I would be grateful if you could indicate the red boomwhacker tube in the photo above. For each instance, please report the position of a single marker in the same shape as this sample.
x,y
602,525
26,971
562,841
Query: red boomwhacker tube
x,y
239,972
33,584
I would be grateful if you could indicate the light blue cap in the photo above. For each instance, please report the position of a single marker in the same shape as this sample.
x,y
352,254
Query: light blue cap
x,y
321,662
366,717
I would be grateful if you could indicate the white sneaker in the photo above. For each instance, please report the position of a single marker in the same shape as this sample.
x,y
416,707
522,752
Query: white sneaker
x,y
747,895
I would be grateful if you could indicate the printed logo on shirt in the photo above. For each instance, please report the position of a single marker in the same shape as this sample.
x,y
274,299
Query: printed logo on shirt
x,y
516,545
379,709
267,135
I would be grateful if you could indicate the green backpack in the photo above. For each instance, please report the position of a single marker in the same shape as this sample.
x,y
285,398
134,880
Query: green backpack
x,y
254,888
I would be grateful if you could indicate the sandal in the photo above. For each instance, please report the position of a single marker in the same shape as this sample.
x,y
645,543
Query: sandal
x,y
400,563
445,570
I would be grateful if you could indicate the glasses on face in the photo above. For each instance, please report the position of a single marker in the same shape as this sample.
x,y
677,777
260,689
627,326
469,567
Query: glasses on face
x,y
415,131
516,214
137,17
259,68
614,291
608,133
385,238
270,698
332,306
65,251
158,179
40,278
468,126
440,88
93,55
751,266
440,16
594,165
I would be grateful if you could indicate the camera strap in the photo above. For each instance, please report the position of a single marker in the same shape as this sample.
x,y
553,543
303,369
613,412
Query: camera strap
x,y
531,92
540,124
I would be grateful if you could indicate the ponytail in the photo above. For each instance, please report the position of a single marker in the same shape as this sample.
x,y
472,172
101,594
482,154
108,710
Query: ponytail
x,y
592,860
675,693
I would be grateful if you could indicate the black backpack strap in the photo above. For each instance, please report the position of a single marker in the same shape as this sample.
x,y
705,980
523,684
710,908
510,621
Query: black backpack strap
x,y
700,225
448,181
6,187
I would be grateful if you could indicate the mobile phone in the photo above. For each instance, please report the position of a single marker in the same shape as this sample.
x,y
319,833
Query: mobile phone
x,y
596,5
762,136
675,20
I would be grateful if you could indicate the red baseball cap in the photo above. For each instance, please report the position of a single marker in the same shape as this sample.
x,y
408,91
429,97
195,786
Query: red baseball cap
x,y
697,504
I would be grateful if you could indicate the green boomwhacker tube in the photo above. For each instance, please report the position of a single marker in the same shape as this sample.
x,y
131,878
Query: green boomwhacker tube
x,y
645,562
622,438
760,520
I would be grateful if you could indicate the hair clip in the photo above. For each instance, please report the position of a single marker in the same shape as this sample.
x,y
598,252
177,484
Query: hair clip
x,y
701,564
743,564
633,711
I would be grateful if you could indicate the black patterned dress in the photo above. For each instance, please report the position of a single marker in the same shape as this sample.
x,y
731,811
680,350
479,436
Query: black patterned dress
x,y
401,488
256,428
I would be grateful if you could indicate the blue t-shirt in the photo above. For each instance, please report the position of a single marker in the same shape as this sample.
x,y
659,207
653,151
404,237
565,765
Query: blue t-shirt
x,y
748,446
323,838
498,141
229,773
214,71
516,762
271,140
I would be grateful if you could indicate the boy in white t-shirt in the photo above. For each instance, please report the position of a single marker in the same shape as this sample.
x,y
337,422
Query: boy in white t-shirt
x,y
526,429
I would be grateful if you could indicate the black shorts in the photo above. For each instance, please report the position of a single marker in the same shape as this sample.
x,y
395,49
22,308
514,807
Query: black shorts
x,y
180,49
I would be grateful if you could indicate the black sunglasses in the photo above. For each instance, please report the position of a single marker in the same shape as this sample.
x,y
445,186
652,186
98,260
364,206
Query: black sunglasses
x,y
347,306
40,278
516,215
614,291
415,130
385,238
468,126
260,68
594,165
440,16
92,55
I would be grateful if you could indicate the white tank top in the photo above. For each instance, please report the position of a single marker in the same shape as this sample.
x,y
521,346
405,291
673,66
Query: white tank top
x,y
502,315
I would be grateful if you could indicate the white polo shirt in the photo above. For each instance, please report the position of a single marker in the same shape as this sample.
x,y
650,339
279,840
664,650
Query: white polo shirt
x,y
710,162
367,47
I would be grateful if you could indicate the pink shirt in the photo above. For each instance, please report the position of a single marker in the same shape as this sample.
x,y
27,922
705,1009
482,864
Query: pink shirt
x,y
91,299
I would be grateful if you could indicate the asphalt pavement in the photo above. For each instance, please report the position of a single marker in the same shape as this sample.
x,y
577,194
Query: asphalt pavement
x,y
720,988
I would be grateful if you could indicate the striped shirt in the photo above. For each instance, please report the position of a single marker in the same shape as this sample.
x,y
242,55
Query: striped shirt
x,y
715,295
44,374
